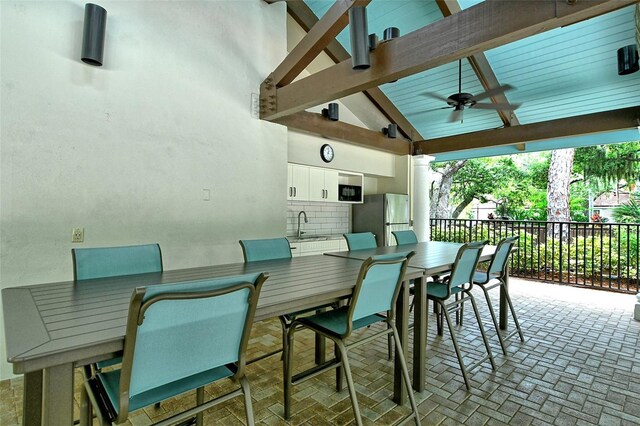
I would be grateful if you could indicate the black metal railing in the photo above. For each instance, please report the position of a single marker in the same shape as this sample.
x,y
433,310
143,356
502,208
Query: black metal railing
x,y
597,255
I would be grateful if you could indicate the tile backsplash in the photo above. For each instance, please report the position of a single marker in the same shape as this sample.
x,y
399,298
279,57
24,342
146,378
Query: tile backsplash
x,y
324,218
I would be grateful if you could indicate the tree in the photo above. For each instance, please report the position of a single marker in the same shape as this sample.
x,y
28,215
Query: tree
x,y
441,187
479,178
559,179
609,164
552,187
607,167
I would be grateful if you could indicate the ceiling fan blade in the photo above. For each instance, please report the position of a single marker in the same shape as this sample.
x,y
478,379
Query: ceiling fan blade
x,y
492,92
435,96
506,107
409,114
456,115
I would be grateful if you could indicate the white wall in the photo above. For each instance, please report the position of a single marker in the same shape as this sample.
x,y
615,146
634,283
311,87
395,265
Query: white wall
x,y
126,150
305,149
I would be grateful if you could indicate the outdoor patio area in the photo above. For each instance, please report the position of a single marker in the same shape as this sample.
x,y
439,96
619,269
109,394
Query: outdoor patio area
x,y
579,365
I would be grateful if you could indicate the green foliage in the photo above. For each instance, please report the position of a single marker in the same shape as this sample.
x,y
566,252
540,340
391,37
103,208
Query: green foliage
x,y
579,202
586,258
518,183
609,163
630,212
480,177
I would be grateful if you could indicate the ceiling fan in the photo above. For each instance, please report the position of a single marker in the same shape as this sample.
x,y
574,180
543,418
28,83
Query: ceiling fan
x,y
461,100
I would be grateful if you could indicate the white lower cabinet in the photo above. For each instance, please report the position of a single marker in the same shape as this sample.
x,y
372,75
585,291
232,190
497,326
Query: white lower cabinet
x,y
308,248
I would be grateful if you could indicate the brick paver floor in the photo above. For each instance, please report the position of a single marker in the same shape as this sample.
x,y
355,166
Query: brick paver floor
x,y
579,365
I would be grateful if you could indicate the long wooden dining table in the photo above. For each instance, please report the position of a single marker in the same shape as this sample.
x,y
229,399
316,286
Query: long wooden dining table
x,y
433,257
52,328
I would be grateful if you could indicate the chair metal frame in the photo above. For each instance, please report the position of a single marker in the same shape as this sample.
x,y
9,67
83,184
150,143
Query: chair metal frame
x,y
443,308
136,317
498,271
341,361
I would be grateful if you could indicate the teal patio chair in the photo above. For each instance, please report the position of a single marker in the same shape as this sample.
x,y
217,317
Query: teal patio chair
x,y
271,249
495,277
360,241
103,262
405,237
376,291
460,283
181,337
265,249
365,241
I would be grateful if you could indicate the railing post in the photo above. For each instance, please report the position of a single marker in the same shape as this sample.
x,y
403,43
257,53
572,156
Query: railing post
x,y
531,258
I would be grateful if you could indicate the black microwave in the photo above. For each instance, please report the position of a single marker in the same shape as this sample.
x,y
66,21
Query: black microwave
x,y
350,193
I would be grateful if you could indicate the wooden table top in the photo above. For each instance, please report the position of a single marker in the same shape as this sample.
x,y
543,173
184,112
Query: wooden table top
x,y
432,256
49,324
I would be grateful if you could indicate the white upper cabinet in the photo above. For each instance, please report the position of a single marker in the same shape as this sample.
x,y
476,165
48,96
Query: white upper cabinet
x,y
298,182
306,183
323,184
331,185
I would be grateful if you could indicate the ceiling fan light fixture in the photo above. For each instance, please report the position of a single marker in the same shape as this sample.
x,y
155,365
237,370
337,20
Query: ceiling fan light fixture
x,y
628,60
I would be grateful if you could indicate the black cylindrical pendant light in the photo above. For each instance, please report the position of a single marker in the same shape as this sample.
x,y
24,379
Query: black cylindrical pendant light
x,y
95,24
391,32
391,131
628,60
373,41
359,37
332,112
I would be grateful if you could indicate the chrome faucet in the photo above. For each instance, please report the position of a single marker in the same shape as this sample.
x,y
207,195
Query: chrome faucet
x,y
302,212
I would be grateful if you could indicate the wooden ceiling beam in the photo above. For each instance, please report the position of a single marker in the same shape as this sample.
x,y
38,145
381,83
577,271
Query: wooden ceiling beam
x,y
304,16
485,26
318,37
312,122
599,122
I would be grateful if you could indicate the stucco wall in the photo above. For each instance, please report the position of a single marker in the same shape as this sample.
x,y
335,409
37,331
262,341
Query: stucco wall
x,y
126,150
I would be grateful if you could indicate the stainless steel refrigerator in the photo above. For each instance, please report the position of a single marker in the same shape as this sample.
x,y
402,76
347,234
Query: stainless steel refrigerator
x,y
382,214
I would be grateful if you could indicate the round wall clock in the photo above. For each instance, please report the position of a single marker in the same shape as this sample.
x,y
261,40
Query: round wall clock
x,y
326,153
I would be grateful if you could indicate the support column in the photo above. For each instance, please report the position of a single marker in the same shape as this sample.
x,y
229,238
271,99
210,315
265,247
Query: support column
x,y
421,183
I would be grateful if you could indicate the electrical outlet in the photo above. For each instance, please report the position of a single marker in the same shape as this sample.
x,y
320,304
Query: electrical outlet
x,y
77,235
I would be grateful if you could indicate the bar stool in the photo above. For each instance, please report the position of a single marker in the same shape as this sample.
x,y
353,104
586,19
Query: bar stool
x,y
495,277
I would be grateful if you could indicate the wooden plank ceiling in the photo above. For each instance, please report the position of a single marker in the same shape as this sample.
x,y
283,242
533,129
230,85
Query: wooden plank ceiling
x,y
560,56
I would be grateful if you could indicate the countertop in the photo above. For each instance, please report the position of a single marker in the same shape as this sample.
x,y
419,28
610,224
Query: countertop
x,y
313,237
